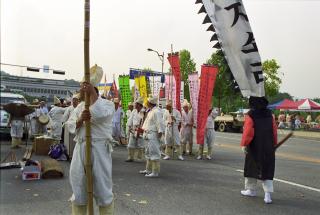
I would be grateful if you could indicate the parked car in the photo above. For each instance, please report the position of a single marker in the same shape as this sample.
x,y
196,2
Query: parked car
x,y
6,98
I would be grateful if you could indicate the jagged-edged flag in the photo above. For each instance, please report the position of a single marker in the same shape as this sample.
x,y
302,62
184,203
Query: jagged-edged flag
x,y
233,35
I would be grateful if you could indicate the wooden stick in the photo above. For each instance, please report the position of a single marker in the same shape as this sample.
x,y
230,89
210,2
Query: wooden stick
x,y
283,140
88,164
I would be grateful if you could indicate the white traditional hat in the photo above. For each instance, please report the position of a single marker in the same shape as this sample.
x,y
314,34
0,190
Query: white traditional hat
x,y
96,74
169,103
115,100
56,100
35,102
185,103
153,100
139,100
76,96
130,104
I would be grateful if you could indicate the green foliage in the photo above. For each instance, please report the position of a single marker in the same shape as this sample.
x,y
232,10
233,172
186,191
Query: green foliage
x,y
224,95
228,99
272,80
187,66
279,97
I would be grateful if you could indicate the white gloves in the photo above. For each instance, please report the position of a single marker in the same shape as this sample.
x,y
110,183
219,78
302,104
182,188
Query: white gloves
x,y
244,149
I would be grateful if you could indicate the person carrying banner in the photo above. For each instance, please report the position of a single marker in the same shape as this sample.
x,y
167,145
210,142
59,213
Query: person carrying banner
x,y
116,121
172,119
135,122
152,132
56,116
186,127
209,136
258,140
100,115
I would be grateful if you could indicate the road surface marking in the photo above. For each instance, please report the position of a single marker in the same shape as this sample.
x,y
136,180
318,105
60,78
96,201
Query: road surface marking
x,y
291,183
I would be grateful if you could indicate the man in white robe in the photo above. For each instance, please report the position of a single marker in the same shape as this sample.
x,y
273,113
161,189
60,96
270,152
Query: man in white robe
x,y
69,137
100,115
56,116
172,119
34,127
128,114
186,128
43,110
16,130
135,122
117,133
209,136
152,132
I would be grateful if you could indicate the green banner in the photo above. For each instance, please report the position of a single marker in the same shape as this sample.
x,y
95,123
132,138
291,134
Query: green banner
x,y
126,96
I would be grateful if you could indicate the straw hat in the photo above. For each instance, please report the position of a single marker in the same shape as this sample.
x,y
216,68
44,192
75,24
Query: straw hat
x,y
185,103
139,100
96,74
153,100
169,103
76,96
35,102
56,100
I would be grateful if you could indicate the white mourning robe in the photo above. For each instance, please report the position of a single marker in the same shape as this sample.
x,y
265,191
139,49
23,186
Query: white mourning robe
x,y
186,130
152,126
172,135
135,121
101,129
117,130
56,116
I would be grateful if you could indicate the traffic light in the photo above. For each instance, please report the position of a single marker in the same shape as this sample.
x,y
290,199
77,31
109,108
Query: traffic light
x,y
33,69
59,72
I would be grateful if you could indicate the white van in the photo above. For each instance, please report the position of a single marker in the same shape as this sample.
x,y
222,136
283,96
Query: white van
x,y
5,98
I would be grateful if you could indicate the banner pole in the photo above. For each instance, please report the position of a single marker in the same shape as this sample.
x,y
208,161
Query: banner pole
x,y
88,164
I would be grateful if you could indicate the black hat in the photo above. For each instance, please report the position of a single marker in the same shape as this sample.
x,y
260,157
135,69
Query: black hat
x,y
258,102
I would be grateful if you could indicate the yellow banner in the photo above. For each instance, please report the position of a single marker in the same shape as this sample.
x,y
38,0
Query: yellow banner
x,y
141,83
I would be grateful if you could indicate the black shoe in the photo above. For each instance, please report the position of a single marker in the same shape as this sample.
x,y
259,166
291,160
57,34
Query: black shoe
x,y
129,160
183,153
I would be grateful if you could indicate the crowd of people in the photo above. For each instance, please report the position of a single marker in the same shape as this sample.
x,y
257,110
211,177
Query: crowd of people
x,y
295,121
152,133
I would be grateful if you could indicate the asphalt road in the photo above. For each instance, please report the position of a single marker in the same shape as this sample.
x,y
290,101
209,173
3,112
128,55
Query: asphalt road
x,y
184,187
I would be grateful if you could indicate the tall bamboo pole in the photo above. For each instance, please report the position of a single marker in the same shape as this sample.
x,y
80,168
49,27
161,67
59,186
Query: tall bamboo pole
x,y
88,164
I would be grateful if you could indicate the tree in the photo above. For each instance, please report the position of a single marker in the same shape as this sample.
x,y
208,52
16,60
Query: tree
x,y
230,99
187,66
272,78
225,96
279,97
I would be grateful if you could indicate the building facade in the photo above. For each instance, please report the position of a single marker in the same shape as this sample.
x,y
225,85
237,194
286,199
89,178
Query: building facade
x,y
37,87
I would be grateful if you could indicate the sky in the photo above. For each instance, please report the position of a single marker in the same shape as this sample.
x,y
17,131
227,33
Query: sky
x,y
46,32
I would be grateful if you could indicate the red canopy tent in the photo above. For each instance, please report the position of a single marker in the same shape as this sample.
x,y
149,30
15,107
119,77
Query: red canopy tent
x,y
287,105
307,104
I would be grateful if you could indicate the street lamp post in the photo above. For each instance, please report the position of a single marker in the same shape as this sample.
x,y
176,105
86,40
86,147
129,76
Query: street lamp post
x,y
161,57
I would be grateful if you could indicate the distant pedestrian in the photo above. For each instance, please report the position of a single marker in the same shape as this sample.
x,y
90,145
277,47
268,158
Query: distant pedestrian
x,y
258,141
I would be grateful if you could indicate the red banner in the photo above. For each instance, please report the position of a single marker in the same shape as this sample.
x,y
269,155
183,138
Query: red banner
x,y
175,66
207,81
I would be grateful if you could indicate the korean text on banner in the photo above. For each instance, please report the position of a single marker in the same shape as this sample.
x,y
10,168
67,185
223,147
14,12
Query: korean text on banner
x,y
234,35
194,93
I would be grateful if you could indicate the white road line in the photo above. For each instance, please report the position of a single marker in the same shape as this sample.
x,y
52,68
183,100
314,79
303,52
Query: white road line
x,y
291,183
